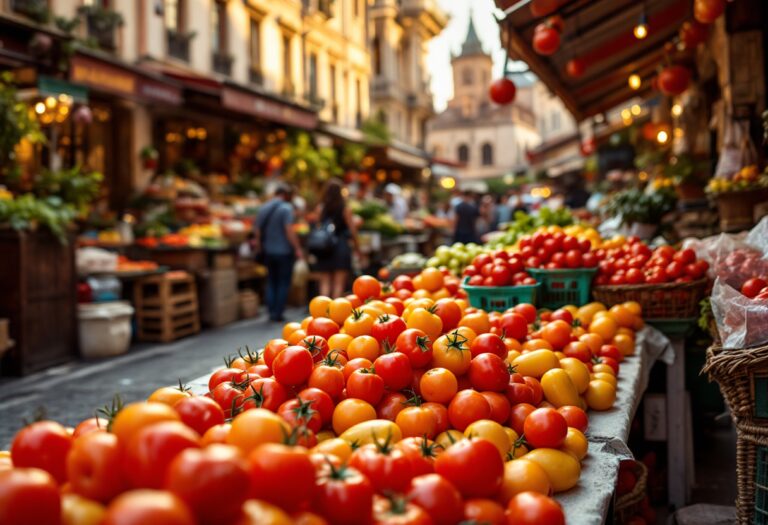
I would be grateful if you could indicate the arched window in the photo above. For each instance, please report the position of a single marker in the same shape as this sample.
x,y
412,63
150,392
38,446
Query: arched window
x,y
487,154
467,76
464,153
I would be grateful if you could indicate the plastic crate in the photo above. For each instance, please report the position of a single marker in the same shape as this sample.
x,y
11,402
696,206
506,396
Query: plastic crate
x,y
761,486
563,287
500,298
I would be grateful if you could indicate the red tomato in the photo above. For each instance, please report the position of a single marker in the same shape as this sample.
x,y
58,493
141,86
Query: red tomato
x,y
265,392
466,407
93,424
707,11
386,467
481,510
501,275
199,413
282,475
538,392
421,453
503,91
610,351
514,325
323,327
519,393
574,259
500,406
29,495
518,415
395,369
488,372
344,496
229,397
528,311
94,466
328,378
546,39
387,328
355,364
397,510
474,466
319,401
366,385
225,375
293,366
575,417
416,346
439,497
403,282
391,405
532,508
488,343
151,450
141,507
298,413
541,8
274,347
213,482
43,445
366,287
317,346
545,428
441,416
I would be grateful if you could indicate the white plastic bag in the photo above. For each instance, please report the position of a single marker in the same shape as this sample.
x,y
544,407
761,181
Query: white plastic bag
x,y
300,274
741,322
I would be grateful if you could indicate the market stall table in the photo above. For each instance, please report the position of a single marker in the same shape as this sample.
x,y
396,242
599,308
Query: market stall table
x,y
590,501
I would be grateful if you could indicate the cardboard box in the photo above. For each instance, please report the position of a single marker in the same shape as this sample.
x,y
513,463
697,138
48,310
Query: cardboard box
x,y
222,313
222,261
249,304
219,300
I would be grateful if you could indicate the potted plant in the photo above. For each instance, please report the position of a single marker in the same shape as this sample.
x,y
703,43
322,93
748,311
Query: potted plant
x,y
149,156
101,23
642,212
686,172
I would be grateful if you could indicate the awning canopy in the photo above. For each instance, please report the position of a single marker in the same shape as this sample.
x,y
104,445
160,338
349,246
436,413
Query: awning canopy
x,y
600,34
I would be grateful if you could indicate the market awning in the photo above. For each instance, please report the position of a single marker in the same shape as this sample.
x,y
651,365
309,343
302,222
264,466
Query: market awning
x,y
406,155
340,132
258,105
599,33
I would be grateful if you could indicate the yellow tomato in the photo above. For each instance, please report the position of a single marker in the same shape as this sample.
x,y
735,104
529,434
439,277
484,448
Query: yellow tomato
x,y
537,344
289,328
349,413
359,323
363,346
593,341
492,431
336,446
536,363
168,395
422,294
339,341
601,367
416,303
625,344
452,353
562,469
477,321
318,306
600,395
575,443
324,435
517,448
467,332
255,427
135,416
375,430
432,279
511,356
258,512
522,475
427,322
605,376
77,510
588,311
448,438
634,307
339,310
577,371
558,388
305,322
623,317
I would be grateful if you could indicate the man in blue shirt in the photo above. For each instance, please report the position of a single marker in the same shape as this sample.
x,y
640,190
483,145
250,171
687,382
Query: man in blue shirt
x,y
280,246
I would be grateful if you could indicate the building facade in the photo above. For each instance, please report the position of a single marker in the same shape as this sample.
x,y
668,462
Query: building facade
x,y
400,31
486,139
255,64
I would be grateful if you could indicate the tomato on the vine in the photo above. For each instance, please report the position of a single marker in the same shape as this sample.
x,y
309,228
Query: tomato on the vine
x,y
344,496
366,385
416,346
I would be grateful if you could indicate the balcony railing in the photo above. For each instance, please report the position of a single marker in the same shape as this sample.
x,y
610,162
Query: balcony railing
x,y
178,44
37,10
222,63
256,76
101,25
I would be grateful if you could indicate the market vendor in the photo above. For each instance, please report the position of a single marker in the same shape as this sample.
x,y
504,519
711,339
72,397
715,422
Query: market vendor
x,y
398,207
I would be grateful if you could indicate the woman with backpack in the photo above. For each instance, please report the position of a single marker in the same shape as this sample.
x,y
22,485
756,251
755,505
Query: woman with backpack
x,y
334,238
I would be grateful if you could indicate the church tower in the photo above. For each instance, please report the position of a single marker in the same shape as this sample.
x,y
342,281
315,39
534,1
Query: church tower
x,y
472,70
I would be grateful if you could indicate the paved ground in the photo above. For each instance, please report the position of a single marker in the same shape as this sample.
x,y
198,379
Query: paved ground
x,y
71,393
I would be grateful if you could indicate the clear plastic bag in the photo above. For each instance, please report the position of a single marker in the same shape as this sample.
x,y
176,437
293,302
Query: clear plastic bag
x,y
741,322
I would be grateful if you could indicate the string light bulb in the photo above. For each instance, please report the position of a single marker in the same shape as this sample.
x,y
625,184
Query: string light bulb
x,y
635,81
662,137
641,29
677,110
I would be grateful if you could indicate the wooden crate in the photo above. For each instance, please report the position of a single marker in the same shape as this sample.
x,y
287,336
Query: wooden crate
x,y
166,307
38,297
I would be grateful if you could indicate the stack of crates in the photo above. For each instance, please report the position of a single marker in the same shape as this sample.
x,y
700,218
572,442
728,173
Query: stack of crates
x,y
166,307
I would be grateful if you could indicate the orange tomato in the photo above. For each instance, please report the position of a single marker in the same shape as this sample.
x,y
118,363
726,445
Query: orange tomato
x,y
339,341
216,434
417,421
575,443
604,326
359,323
451,352
289,328
318,306
336,446
135,416
634,308
363,346
477,321
593,341
557,333
366,287
255,427
168,395
521,475
625,344
432,279
493,432
349,413
480,510
305,322
622,315
605,376
339,310
466,332
296,337
438,385
537,344
600,395
426,321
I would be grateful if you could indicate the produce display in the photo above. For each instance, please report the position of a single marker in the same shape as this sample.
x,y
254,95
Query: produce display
x,y
499,268
637,263
747,178
391,405
554,251
755,288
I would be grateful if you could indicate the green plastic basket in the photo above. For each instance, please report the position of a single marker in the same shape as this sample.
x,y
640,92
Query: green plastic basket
x,y
500,298
563,287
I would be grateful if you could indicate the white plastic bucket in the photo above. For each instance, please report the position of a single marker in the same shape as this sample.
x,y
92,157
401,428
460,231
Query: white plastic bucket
x,y
105,328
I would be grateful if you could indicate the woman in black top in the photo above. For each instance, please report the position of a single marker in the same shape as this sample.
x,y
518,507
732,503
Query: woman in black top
x,y
336,267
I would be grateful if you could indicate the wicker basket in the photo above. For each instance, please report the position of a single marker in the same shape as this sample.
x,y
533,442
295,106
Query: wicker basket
x,y
737,208
659,301
743,378
627,505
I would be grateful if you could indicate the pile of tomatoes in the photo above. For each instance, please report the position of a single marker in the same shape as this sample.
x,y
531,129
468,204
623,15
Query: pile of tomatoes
x,y
556,250
380,407
755,288
636,263
499,268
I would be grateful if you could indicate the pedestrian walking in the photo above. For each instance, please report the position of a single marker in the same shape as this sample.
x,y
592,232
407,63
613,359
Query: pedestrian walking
x,y
278,247
466,214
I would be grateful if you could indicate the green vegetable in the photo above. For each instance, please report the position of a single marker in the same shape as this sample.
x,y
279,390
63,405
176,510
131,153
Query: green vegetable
x,y
524,223
27,212
634,206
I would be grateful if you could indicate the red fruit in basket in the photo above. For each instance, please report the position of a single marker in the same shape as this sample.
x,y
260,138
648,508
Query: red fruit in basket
x,y
589,260
686,256
675,269
501,275
476,280
626,482
515,265
470,270
697,270
752,287
634,276
486,269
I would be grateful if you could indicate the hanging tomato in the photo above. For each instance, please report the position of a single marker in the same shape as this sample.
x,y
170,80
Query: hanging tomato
x,y
546,39
503,91
541,8
649,131
693,33
557,23
707,11
673,80
575,68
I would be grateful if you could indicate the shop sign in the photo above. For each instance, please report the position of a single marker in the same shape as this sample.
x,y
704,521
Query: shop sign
x,y
160,92
102,76
54,86
268,109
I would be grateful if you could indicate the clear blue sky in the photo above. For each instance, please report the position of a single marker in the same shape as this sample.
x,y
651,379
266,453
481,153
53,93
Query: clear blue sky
x,y
450,40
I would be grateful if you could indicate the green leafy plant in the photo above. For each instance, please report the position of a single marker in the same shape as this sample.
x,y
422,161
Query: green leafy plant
x,y
304,162
28,212
376,130
16,124
73,186
684,168
634,206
